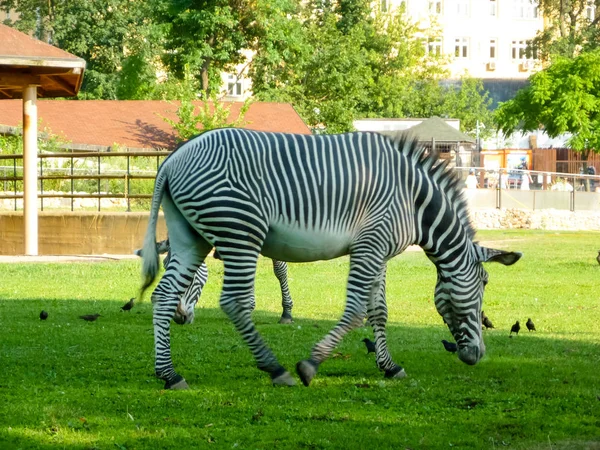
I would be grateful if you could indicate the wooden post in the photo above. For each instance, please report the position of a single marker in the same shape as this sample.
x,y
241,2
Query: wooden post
x,y
30,178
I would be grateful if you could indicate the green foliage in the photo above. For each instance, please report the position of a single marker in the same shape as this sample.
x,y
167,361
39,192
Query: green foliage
x,y
82,385
564,98
568,29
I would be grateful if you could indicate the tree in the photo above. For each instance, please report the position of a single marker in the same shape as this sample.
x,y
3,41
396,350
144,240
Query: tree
x,y
347,61
564,98
571,26
206,35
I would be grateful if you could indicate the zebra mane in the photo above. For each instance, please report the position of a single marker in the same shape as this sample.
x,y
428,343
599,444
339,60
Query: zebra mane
x,y
441,174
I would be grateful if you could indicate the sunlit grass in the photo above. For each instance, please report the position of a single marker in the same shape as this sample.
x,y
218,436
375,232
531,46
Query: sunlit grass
x,y
73,384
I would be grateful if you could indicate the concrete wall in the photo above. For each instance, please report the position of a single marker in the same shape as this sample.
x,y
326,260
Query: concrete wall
x,y
92,233
78,233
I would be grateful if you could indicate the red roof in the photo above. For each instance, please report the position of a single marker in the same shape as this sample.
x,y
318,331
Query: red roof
x,y
137,123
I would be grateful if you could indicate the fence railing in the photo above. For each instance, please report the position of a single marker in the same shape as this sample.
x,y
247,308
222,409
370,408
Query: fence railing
x,y
119,176
124,181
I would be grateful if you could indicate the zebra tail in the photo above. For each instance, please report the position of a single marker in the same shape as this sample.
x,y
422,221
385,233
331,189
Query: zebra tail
x,y
150,261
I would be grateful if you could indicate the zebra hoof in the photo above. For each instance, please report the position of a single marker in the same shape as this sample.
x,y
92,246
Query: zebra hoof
x,y
396,373
285,379
306,369
178,384
286,320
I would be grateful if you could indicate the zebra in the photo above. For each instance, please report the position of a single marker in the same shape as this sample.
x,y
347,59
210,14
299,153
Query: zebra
x,y
185,312
301,198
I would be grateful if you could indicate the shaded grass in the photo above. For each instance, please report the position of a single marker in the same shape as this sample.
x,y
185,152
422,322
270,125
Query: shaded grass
x,y
73,384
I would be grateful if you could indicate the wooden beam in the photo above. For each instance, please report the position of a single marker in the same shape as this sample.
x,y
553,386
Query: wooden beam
x,y
4,94
13,80
62,83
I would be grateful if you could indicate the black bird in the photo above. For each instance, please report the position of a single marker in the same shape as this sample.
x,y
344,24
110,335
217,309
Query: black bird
x,y
370,345
90,317
598,257
43,315
485,321
449,346
515,328
127,306
530,325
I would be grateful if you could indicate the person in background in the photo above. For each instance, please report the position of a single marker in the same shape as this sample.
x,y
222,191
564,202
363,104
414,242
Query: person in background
x,y
471,181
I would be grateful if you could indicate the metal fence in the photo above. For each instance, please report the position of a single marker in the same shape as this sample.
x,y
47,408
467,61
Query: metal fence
x,y
124,181
124,177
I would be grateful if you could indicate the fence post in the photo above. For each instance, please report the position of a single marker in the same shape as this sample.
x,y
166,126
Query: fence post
x,y
72,186
499,190
127,186
41,186
15,182
572,196
99,183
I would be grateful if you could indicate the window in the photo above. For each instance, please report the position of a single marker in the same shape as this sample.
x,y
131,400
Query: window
x,y
519,51
590,10
462,8
493,7
493,44
234,86
435,7
461,47
434,46
525,9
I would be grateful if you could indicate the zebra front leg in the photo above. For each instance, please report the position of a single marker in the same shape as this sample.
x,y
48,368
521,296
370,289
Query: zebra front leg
x,y
281,272
377,317
236,295
362,281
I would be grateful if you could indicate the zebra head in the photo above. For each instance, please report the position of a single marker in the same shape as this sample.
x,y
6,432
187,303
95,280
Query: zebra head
x,y
459,297
185,312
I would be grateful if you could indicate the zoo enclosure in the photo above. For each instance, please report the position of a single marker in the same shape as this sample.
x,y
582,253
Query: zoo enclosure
x,y
123,181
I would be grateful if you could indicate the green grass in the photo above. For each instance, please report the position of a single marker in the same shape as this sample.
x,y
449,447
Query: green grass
x,y
77,385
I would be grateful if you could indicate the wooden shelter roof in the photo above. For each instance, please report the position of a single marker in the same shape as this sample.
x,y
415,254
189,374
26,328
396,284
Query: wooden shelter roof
x,y
27,61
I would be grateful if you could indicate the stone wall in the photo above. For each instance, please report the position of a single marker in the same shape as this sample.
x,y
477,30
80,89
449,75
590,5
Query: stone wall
x,y
543,219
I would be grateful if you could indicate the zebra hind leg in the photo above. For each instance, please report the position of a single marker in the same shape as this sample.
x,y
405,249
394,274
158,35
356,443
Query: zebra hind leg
x,y
377,318
280,269
236,297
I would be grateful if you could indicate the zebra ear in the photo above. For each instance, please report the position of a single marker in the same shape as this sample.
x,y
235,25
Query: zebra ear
x,y
500,256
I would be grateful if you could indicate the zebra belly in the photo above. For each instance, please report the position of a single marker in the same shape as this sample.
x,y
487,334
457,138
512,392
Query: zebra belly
x,y
293,244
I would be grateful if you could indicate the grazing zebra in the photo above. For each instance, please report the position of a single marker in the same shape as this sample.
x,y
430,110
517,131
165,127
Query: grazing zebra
x,y
185,311
304,198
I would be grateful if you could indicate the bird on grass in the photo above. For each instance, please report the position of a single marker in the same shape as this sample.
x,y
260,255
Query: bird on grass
x,y
530,325
449,346
43,315
127,306
90,317
515,329
598,257
485,321
370,345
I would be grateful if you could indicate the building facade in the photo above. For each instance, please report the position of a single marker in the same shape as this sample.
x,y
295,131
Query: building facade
x,y
485,38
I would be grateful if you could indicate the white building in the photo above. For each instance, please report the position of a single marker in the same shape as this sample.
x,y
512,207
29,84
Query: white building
x,y
485,38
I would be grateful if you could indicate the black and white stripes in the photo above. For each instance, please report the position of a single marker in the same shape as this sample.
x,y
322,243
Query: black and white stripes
x,y
306,198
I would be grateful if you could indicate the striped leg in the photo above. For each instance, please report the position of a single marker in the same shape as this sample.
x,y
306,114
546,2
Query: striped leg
x,y
236,297
185,309
378,315
362,283
165,299
281,272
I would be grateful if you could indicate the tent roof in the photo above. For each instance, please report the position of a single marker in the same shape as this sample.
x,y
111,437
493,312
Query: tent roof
x,y
437,129
27,61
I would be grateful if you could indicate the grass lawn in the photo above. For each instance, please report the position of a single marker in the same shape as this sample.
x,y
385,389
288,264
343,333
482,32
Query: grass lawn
x,y
77,385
